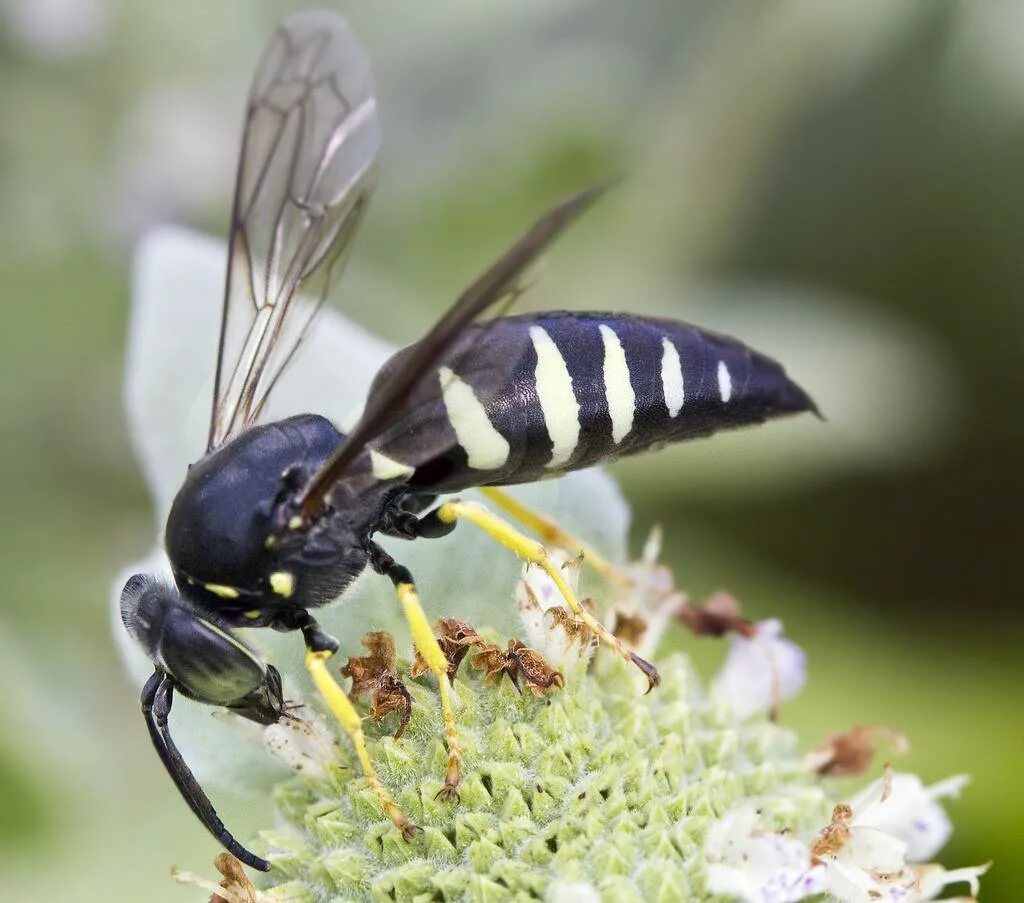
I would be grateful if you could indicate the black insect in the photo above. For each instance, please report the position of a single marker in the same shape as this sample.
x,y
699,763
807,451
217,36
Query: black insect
x,y
276,519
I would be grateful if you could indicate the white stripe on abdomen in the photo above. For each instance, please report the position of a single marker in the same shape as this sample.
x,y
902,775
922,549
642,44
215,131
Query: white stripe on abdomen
x,y
672,377
557,399
485,447
618,390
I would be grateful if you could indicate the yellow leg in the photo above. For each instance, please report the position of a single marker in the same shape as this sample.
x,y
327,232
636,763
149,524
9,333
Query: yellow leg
x,y
553,534
429,648
532,551
344,711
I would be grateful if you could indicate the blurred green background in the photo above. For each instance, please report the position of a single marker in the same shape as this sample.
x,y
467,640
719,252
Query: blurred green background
x,y
838,183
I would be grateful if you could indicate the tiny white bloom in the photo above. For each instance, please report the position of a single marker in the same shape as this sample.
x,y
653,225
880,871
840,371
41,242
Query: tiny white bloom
x,y
861,856
865,851
761,671
758,866
651,595
546,618
305,743
910,812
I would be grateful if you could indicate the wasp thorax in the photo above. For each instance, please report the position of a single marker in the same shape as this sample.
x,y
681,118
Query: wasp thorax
x,y
223,537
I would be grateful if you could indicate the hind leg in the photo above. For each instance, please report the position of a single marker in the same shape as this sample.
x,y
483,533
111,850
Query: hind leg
x,y
532,551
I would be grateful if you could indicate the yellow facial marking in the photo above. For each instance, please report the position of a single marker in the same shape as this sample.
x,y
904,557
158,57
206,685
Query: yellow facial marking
x,y
219,589
253,615
282,583
270,542
295,523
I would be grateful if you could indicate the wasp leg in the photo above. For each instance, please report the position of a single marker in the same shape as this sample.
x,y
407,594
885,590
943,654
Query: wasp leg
x,y
157,695
320,646
553,534
314,636
430,649
339,703
535,553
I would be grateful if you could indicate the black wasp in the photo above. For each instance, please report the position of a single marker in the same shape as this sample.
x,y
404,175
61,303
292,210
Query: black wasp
x,y
276,519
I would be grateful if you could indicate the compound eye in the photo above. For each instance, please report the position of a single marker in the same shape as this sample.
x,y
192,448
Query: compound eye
x,y
145,602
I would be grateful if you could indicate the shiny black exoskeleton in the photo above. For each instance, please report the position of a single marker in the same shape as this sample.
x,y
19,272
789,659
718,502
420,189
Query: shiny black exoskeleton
x,y
228,535
197,655
242,556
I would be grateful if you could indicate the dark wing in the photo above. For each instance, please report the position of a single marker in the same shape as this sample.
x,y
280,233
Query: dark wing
x,y
305,174
388,405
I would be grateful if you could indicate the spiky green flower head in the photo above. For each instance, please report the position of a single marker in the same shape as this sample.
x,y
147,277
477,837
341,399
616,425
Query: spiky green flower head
x,y
594,792
590,791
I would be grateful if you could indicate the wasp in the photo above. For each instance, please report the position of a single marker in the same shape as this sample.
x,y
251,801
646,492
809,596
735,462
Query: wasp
x,y
275,520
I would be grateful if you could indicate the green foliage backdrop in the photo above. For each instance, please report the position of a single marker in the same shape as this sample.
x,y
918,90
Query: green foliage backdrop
x,y
838,183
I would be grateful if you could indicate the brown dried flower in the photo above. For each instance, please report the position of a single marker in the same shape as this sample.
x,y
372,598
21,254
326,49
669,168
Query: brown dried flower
x,y
835,835
849,753
516,659
375,674
235,887
455,638
629,627
716,617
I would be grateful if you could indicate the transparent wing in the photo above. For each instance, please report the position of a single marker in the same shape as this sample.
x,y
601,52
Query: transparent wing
x,y
401,399
305,174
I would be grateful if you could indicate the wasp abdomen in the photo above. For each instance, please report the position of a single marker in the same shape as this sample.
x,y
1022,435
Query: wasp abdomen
x,y
536,395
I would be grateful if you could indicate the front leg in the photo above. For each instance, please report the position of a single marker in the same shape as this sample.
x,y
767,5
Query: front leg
x,y
320,646
425,641
314,636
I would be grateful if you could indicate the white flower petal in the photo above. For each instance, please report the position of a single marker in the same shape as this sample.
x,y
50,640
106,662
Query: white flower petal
x,y
910,812
304,743
652,595
850,883
536,595
934,878
762,671
873,851
757,866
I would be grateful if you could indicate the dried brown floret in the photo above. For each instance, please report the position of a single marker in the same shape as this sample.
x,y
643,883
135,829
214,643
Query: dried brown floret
x,y
234,888
536,670
391,695
850,753
365,670
574,628
455,638
518,659
375,674
835,835
716,617
492,660
630,628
